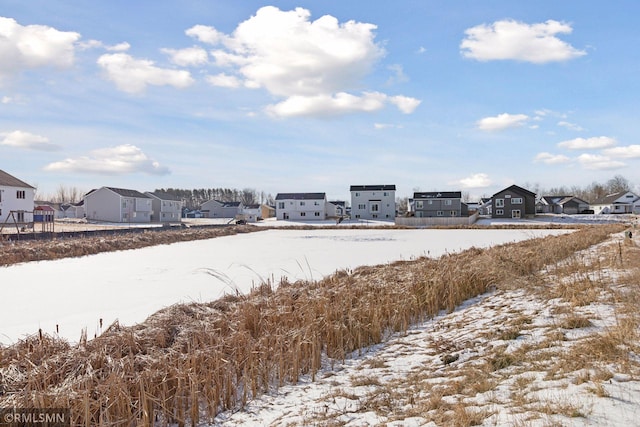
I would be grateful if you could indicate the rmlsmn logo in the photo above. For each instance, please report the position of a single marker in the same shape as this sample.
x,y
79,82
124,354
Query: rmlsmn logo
x,y
34,417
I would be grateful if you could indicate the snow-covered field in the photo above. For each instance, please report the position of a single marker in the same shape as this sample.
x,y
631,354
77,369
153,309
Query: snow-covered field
x,y
65,296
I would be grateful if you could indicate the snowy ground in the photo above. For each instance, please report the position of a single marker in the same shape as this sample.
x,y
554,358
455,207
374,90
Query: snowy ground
x,y
525,390
64,296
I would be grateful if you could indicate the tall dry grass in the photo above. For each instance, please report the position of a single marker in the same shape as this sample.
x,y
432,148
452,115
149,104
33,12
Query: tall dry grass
x,y
187,363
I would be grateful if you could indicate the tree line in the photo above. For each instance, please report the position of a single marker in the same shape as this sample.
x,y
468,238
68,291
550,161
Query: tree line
x,y
194,198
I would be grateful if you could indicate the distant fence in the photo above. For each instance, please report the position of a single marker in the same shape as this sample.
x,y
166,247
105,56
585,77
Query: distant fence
x,y
34,235
436,221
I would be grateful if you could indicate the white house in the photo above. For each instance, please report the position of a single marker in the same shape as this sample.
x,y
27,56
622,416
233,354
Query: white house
x,y
336,209
617,203
218,209
15,196
165,207
252,213
373,202
301,206
117,205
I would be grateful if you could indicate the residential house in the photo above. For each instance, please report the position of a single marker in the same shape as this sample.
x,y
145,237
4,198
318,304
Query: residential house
x,y
252,213
439,203
117,205
617,203
513,202
301,206
15,196
267,211
165,207
373,202
218,209
73,210
336,209
569,205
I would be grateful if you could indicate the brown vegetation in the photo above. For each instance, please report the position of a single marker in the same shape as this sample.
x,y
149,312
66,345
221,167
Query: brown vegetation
x,y
188,362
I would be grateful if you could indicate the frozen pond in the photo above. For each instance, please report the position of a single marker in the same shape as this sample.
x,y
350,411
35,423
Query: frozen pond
x,y
130,285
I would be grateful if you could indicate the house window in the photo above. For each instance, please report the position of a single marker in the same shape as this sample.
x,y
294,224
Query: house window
x,y
316,213
316,203
302,203
303,214
385,194
357,194
516,201
362,206
20,194
419,205
515,213
447,202
20,216
499,212
453,213
280,205
440,213
430,202
375,207
499,203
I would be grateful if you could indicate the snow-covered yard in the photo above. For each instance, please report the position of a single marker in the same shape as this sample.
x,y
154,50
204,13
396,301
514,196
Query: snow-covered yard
x,y
71,294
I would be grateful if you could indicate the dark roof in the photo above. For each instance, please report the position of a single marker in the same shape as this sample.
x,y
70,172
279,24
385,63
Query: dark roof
x,y
164,196
609,198
229,204
300,196
338,203
516,189
373,188
438,195
128,193
253,206
11,181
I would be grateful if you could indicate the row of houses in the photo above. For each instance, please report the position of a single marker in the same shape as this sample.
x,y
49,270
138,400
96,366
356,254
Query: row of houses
x,y
368,202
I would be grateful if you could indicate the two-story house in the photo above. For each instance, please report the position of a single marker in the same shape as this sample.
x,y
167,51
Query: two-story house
x,y
117,205
219,209
373,202
301,206
439,203
513,202
16,199
165,207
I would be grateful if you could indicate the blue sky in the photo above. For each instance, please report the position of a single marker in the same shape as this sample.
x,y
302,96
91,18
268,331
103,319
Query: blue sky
x,y
319,95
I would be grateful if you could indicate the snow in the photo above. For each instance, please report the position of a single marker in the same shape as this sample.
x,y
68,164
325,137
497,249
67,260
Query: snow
x,y
65,296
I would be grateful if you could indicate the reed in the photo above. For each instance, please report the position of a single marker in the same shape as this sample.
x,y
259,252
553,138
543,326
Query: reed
x,y
186,363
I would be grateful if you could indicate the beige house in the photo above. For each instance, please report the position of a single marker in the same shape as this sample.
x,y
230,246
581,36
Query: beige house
x,y
119,205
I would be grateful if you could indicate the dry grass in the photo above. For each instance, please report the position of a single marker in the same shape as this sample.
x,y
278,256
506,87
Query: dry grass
x,y
187,363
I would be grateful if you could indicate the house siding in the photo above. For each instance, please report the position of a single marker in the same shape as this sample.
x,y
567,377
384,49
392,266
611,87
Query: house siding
x,y
513,202
106,205
439,204
373,202
301,206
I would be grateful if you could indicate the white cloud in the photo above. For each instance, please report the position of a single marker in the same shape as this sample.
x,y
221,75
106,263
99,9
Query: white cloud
x,y
509,39
206,34
502,121
599,162
327,105
628,152
398,74
570,126
552,159
587,143
6,100
96,44
33,46
386,126
190,56
224,80
27,140
311,64
119,160
134,75
478,180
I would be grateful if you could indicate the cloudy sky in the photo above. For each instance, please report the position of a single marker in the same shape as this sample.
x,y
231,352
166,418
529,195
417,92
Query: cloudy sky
x,y
319,95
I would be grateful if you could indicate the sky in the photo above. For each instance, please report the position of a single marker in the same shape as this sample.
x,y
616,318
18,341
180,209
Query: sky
x,y
315,96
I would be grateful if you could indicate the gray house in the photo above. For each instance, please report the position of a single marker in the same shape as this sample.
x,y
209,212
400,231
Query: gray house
x,y
166,207
218,209
513,202
439,203
617,203
373,202
117,205
569,205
